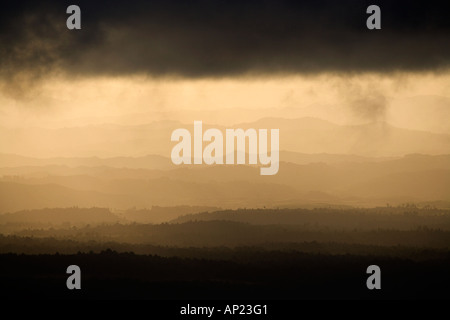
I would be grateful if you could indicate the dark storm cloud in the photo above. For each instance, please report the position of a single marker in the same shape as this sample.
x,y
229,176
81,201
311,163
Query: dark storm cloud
x,y
221,38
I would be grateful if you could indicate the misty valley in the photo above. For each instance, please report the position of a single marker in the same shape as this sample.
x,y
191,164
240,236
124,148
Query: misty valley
x,y
145,227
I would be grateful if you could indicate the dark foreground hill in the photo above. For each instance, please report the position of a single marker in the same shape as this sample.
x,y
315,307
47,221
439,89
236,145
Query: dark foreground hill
x,y
271,275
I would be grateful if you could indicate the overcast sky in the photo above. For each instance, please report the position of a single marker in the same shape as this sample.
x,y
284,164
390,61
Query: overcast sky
x,y
217,38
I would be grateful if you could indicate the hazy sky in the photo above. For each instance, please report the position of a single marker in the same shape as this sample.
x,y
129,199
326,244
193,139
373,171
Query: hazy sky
x,y
345,99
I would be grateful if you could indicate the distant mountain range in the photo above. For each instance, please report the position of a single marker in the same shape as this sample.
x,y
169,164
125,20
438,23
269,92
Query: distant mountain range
x,y
144,162
418,112
378,139
337,180
321,218
75,216
304,135
151,161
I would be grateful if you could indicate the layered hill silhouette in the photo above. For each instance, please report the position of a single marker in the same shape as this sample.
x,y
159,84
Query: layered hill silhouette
x,y
398,218
61,216
144,162
80,217
342,180
322,225
121,167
